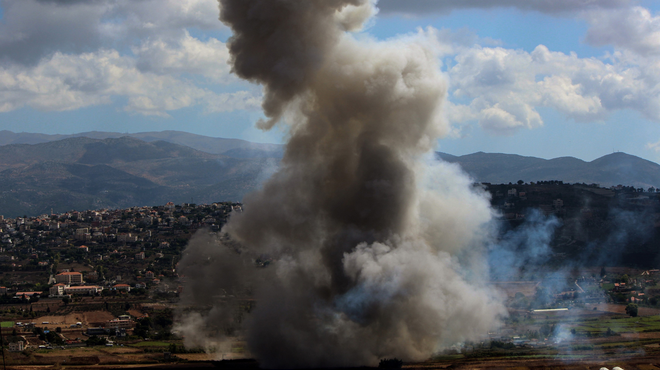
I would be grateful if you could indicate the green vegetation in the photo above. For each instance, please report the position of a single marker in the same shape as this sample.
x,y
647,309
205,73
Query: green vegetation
x,y
618,325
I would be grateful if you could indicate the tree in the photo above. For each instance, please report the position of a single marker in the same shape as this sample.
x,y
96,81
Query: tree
x,y
520,182
631,309
546,330
95,341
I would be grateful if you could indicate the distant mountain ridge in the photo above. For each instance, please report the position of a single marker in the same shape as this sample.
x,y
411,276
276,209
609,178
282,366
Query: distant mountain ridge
x,y
610,170
110,170
207,144
84,173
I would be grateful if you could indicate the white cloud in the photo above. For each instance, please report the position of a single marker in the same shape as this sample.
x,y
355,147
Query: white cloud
x,y
241,100
64,55
563,94
185,55
654,146
634,29
67,82
506,86
33,29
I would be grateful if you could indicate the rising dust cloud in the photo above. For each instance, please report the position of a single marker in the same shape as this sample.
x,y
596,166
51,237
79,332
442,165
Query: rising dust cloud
x,y
374,248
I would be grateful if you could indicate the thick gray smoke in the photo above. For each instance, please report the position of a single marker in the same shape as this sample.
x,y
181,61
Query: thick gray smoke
x,y
374,252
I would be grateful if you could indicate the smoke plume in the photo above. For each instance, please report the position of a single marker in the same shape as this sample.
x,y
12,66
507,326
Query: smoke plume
x,y
357,248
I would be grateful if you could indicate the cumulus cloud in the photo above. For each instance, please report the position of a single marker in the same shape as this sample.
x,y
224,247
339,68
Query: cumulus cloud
x,y
65,55
421,7
33,29
505,87
185,55
654,146
634,29
502,88
68,82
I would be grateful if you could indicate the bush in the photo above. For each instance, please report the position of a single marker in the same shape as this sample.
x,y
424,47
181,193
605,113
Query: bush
x,y
390,363
95,341
499,344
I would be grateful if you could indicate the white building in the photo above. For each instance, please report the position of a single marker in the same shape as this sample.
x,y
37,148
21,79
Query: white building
x,y
83,289
69,278
57,290
17,346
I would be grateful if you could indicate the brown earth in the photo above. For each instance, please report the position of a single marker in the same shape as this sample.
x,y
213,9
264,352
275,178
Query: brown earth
x,y
621,309
136,313
510,288
72,318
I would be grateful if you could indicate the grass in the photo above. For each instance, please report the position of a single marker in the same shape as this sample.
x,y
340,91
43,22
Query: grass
x,y
628,343
7,324
620,325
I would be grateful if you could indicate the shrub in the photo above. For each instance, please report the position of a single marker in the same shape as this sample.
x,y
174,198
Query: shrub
x,y
390,363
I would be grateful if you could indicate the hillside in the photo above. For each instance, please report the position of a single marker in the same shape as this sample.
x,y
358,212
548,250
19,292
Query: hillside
x,y
610,170
237,148
105,171
83,173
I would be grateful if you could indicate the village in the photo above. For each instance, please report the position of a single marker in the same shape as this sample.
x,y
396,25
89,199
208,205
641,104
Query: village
x,y
102,286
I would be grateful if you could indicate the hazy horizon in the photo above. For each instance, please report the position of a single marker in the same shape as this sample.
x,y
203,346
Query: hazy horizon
x,y
438,149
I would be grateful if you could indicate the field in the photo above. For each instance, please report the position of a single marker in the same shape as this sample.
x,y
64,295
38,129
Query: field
x,y
86,318
510,288
584,339
584,336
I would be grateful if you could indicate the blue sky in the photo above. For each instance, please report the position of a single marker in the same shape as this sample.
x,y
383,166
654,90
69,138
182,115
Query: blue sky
x,y
545,78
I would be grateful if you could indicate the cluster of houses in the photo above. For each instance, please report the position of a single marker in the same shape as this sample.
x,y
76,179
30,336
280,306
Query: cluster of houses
x,y
117,327
71,283
146,238
106,225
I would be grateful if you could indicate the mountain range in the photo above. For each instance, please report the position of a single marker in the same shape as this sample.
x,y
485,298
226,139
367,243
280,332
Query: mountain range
x,y
40,173
610,170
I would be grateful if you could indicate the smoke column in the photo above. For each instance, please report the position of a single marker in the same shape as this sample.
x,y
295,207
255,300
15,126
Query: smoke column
x,y
377,251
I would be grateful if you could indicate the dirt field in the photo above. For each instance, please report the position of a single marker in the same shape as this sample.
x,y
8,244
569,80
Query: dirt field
x,y
196,356
510,288
85,356
70,319
136,313
621,309
642,363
